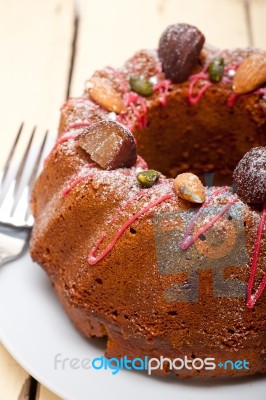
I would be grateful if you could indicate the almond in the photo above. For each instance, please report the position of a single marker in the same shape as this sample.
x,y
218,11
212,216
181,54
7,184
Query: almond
x,y
251,74
105,95
189,187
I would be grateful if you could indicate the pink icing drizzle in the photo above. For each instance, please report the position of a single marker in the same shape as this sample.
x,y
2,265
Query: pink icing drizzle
x,y
81,174
139,110
195,78
235,96
162,87
79,177
261,91
204,76
188,240
199,212
80,124
252,298
232,99
92,259
66,136
143,116
191,239
120,78
192,98
81,99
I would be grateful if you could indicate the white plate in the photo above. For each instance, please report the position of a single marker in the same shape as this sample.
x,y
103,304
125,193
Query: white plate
x,y
34,328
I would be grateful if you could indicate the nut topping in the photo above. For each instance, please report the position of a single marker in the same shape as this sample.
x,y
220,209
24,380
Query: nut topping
x,y
148,177
189,187
251,74
110,144
179,51
105,95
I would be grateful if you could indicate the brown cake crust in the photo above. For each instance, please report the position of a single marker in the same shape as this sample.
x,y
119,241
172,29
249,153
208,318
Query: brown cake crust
x,y
123,295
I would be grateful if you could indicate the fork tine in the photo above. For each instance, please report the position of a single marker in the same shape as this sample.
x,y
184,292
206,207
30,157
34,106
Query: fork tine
x,y
37,162
20,172
34,172
14,204
9,158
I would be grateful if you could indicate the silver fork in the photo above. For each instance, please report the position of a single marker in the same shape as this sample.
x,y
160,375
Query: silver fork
x,y
16,182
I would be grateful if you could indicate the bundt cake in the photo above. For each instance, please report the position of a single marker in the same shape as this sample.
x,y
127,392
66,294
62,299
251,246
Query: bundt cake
x,y
168,263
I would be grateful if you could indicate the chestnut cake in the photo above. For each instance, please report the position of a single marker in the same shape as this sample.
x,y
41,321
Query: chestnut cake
x,y
166,260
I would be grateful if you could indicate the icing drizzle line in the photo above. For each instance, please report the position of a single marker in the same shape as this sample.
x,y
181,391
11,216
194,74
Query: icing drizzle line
x,y
84,173
92,259
162,87
188,239
194,79
191,239
79,177
252,298
66,136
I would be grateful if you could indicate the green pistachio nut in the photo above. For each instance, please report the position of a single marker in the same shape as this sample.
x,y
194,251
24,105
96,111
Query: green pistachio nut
x,y
141,85
148,178
216,69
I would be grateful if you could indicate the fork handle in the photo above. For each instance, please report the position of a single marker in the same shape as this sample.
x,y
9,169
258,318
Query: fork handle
x,y
12,243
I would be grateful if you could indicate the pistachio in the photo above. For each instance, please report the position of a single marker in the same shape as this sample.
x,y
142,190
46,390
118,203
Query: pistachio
x,y
148,178
189,187
216,69
101,91
141,85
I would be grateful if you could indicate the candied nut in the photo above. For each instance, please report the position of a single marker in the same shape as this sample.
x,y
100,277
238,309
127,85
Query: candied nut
x,y
101,91
250,176
251,73
216,69
110,144
179,50
141,85
189,187
114,77
148,177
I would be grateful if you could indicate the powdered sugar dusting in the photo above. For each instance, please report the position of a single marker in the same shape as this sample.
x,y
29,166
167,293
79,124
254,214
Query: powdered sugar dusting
x,y
250,176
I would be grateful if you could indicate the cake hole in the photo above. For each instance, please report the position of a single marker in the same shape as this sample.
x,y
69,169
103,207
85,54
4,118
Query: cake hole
x,y
202,237
48,250
115,313
133,231
172,313
230,331
230,217
99,281
126,316
249,328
